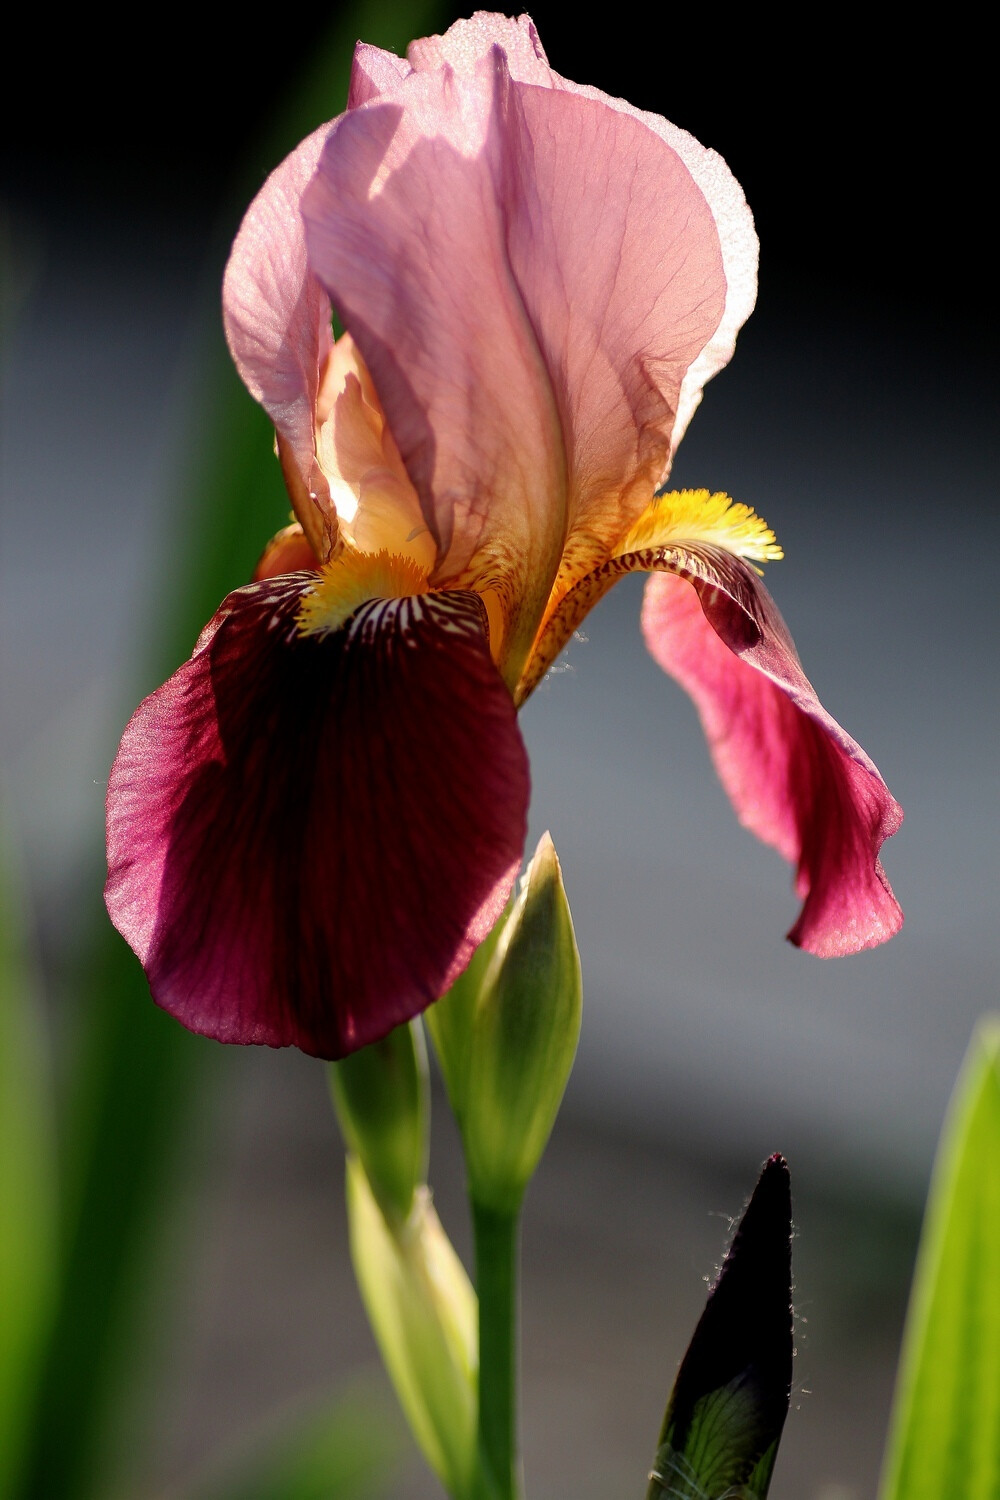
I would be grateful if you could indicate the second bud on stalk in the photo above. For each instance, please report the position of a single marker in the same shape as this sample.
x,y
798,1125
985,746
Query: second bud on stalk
x,y
382,1103
507,1039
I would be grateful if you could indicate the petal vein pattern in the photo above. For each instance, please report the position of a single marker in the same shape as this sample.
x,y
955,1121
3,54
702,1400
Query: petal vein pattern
x,y
309,834
468,40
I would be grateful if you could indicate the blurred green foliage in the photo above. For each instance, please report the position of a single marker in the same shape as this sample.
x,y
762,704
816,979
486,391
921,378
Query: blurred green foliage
x,y
343,1450
133,1073
27,1182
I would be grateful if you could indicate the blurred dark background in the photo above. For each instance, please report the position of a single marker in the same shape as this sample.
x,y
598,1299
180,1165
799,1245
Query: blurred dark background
x,y
863,141
858,416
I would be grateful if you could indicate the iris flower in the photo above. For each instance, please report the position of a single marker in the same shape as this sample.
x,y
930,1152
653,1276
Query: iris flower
x,y
319,816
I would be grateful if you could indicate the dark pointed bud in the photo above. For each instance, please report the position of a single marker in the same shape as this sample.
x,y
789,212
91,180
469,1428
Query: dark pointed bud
x,y
730,1399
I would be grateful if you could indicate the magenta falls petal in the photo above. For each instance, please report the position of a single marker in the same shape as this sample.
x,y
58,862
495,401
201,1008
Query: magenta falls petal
x,y
794,776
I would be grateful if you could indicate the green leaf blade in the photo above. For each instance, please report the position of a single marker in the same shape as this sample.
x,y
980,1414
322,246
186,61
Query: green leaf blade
x,y
945,1431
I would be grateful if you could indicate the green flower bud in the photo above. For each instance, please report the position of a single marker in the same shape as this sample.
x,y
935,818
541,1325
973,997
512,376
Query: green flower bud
x,y
424,1315
523,1039
383,1105
450,1019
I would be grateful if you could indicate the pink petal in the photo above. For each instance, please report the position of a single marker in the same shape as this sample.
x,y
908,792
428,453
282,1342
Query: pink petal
x,y
421,277
467,41
794,776
737,243
277,315
288,552
529,275
308,836
374,72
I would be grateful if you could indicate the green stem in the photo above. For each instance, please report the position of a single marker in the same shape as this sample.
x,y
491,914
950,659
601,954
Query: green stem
x,y
496,1236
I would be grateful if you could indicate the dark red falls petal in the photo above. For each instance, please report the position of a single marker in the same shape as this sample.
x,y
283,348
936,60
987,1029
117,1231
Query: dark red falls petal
x,y
794,776
308,836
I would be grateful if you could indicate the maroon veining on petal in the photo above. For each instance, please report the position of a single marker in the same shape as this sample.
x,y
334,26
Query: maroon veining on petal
x,y
308,835
794,776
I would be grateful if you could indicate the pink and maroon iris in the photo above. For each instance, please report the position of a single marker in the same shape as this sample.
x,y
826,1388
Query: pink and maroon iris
x,y
311,827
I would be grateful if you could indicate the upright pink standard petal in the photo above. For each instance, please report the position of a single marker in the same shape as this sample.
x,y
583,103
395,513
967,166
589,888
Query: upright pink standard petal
x,y
794,776
530,275
309,835
469,40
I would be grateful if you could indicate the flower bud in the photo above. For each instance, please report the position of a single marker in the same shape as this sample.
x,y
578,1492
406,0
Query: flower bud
x,y
423,1312
383,1106
728,1406
524,1037
450,1019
